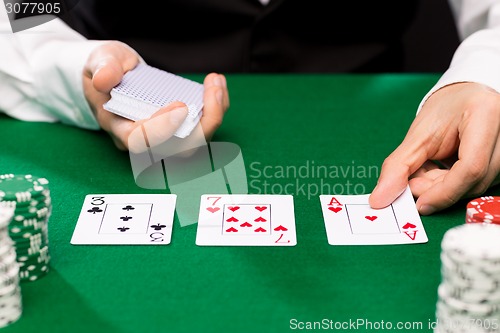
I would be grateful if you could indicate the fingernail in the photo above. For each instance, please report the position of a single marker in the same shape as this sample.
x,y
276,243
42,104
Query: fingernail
x,y
99,66
178,115
426,209
219,96
218,81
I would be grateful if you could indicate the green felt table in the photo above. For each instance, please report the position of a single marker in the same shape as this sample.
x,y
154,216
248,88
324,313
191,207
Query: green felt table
x,y
346,123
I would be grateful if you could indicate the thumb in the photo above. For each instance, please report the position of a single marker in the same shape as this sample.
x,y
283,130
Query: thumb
x,y
106,75
108,63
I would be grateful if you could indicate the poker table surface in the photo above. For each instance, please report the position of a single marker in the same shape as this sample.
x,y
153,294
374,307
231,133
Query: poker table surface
x,y
346,124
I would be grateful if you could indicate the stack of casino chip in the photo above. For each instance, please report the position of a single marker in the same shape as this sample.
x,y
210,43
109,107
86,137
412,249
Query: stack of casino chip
x,y
469,292
10,290
30,198
483,210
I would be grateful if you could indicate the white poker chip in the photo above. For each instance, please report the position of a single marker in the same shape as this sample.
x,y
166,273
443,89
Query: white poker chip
x,y
6,247
453,321
12,298
7,261
6,214
8,289
469,292
472,295
476,309
11,316
470,278
10,292
473,240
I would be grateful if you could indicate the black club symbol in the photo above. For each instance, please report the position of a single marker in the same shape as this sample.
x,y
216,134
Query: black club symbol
x,y
158,226
94,210
123,229
128,208
126,218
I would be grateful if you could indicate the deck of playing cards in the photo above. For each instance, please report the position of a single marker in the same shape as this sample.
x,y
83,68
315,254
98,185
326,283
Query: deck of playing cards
x,y
145,89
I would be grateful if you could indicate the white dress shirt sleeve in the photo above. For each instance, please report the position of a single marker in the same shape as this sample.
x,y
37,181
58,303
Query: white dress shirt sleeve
x,y
41,73
477,59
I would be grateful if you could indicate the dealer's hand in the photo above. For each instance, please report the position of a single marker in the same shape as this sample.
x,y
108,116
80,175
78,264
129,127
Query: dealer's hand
x,y
458,125
105,68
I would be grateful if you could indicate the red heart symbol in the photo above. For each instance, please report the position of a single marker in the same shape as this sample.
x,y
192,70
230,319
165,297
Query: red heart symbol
x,y
409,225
260,230
232,219
335,209
280,228
233,208
231,230
371,218
261,208
212,209
246,224
260,219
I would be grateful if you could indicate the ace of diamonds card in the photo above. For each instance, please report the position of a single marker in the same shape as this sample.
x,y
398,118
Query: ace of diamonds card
x,y
246,220
349,220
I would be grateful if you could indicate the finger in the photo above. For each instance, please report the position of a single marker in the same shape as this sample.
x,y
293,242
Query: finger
x,y
155,130
448,162
430,174
216,103
424,169
491,176
217,82
423,183
475,153
215,79
420,185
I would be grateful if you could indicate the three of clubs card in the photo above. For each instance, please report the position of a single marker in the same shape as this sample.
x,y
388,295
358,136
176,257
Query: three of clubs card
x,y
246,220
125,219
349,220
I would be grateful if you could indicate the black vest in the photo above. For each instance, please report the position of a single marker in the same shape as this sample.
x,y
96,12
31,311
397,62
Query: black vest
x,y
239,36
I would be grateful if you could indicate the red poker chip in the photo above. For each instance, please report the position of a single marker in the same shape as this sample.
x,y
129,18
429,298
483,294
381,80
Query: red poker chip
x,y
484,210
474,221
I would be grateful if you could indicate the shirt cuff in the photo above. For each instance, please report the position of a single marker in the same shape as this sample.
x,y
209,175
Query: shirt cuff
x,y
477,60
59,81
